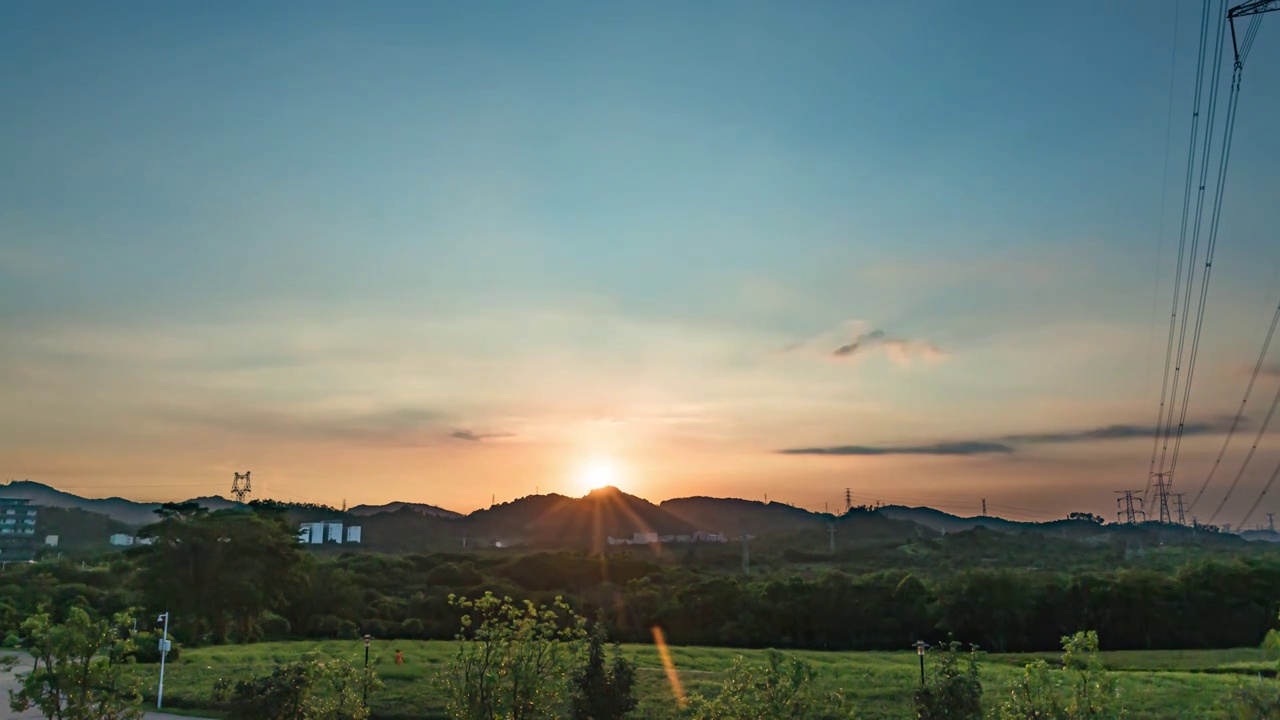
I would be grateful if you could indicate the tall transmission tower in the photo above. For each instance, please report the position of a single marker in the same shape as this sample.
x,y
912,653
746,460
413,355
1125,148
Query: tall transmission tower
x,y
241,491
1162,485
1182,512
848,500
1271,522
1128,512
984,507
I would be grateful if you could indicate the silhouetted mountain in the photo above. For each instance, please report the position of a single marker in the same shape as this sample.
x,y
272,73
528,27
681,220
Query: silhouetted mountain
x,y
78,529
1263,535
420,508
125,511
946,522
732,516
559,521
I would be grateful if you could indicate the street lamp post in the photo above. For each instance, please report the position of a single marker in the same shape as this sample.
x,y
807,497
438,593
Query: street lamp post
x,y
164,652
367,640
920,648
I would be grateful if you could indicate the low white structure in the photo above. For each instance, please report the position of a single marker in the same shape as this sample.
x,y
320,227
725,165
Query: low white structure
x,y
51,540
121,540
648,538
319,533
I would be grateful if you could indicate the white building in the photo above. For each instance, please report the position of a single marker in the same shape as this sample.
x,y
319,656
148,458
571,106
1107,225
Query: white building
x,y
353,534
51,540
311,533
121,540
646,538
335,532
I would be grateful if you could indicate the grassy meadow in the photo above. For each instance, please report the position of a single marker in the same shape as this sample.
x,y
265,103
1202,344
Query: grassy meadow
x,y
1159,684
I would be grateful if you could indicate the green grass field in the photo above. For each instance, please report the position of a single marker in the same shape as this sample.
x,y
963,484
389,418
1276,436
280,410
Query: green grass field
x,y
1165,684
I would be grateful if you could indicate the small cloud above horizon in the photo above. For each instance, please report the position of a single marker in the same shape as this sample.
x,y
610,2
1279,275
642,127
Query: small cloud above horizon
x,y
902,351
1008,444
471,436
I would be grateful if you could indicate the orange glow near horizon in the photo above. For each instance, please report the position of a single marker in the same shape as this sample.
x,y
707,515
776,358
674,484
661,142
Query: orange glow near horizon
x,y
598,472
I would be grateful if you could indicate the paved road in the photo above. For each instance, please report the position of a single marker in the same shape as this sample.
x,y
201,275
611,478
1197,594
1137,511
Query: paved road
x,y
9,682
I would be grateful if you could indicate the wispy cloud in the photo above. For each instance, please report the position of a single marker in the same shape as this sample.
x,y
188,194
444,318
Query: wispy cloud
x,y
967,447
902,351
471,436
1007,444
861,341
403,427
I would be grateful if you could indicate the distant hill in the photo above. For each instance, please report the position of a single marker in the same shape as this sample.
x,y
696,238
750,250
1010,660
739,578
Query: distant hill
x,y
125,511
560,521
948,523
420,508
732,516
78,529
1261,535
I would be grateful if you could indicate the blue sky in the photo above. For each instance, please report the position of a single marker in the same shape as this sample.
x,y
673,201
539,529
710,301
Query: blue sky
x,y
318,238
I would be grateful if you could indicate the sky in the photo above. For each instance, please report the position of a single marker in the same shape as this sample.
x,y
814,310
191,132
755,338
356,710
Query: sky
x,y
463,252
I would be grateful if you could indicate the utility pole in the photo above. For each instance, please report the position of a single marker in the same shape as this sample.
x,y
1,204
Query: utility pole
x,y
367,640
746,553
239,491
164,653
831,531
848,500
1128,513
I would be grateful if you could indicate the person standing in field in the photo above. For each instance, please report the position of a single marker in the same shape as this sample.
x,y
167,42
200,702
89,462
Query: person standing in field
x,y
399,658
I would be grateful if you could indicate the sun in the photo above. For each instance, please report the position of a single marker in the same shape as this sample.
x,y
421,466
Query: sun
x,y
598,472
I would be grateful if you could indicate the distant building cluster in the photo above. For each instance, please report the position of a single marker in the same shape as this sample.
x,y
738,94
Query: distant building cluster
x,y
318,533
17,530
123,540
651,538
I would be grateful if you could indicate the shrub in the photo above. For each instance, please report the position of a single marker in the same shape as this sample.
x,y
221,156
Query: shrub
x,y
950,692
313,688
600,692
780,690
1081,690
147,648
513,659
1258,700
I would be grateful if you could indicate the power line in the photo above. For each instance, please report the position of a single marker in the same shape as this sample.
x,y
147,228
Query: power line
x,y
1206,151
1182,245
1164,191
1258,501
1235,422
1248,456
1215,216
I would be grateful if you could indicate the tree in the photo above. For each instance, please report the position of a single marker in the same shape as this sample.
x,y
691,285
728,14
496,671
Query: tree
x,y
950,693
781,690
513,659
1081,690
79,673
314,688
603,693
1096,519
219,571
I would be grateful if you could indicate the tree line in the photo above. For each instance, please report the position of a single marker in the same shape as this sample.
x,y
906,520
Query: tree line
x,y
238,576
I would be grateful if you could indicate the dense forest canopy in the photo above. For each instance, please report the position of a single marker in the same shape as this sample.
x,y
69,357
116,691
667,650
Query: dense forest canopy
x,y
239,575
